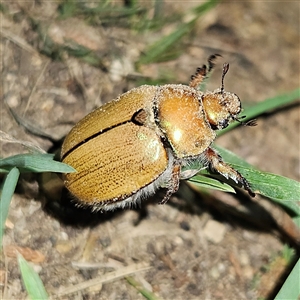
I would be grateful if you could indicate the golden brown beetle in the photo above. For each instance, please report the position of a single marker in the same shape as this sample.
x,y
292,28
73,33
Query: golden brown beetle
x,y
130,147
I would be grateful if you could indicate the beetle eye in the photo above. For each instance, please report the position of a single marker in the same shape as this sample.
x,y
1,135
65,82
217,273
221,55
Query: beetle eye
x,y
223,123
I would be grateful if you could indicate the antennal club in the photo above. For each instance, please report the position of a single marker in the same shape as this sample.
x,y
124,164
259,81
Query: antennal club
x,y
252,122
203,72
212,61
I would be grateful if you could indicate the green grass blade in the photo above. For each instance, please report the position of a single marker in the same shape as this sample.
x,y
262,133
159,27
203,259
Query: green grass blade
x,y
66,9
266,106
7,192
281,189
204,7
291,287
231,158
146,293
165,48
297,221
273,186
32,282
211,183
35,163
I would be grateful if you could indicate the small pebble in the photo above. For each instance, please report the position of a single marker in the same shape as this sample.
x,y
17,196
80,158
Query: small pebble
x,y
214,231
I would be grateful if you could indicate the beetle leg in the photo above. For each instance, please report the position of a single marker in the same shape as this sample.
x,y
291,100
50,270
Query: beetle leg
x,y
174,184
216,163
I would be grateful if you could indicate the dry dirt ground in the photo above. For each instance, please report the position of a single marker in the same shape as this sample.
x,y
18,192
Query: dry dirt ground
x,y
198,246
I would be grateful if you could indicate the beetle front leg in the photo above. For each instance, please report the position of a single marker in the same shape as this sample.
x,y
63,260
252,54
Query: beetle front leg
x,y
174,184
216,163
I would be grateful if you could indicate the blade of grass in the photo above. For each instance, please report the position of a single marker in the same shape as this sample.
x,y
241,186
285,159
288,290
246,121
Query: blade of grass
x,y
291,287
157,52
32,282
160,50
66,9
4,8
276,187
211,183
281,189
265,106
7,192
35,163
296,220
146,293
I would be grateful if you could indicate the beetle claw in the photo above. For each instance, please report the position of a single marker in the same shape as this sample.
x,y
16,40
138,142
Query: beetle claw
x,y
216,163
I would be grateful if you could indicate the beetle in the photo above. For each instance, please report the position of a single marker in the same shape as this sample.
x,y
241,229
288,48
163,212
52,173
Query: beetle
x,y
127,149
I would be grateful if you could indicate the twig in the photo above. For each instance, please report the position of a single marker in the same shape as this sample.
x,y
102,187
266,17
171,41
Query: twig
x,y
123,272
18,41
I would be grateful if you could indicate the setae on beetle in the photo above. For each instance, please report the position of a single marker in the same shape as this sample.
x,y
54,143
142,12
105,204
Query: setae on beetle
x,y
128,148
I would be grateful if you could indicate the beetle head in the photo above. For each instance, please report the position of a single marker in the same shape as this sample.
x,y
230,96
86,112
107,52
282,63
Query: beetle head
x,y
221,108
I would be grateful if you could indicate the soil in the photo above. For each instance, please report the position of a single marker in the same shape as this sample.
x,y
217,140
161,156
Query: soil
x,y
197,246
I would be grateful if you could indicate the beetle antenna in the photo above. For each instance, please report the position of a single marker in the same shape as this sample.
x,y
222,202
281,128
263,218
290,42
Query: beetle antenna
x,y
212,61
252,122
203,72
198,77
224,72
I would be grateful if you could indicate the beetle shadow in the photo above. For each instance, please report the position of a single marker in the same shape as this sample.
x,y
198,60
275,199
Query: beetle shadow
x,y
67,211
239,210
60,204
